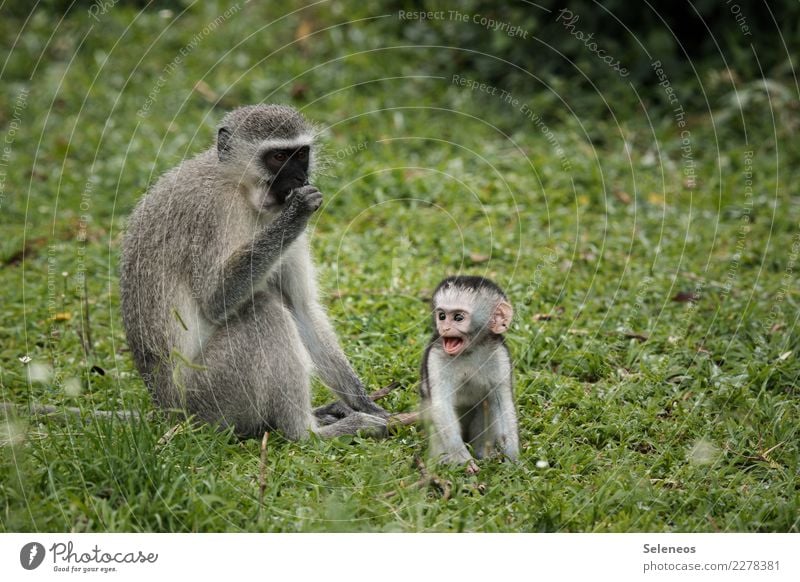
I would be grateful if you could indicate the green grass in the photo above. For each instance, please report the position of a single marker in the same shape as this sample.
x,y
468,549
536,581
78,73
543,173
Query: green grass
x,y
652,414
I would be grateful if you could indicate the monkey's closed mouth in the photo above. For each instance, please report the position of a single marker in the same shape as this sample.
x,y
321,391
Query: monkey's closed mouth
x,y
452,345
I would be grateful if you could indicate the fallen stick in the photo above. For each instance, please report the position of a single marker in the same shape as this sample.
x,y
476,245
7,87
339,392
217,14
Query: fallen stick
x,y
167,437
383,392
403,419
427,480
262,475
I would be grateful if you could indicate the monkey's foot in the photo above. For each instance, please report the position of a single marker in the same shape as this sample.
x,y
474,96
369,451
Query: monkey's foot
x,y
332,412
456,458
472,468
357,422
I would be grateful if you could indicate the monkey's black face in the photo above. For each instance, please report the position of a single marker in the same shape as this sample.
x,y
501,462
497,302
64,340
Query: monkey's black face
x,y
288,169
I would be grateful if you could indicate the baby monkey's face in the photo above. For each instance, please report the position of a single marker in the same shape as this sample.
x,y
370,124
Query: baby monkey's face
x,y
468,314
453,326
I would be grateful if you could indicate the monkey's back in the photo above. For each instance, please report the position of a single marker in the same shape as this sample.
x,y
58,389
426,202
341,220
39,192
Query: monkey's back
x,y
161,242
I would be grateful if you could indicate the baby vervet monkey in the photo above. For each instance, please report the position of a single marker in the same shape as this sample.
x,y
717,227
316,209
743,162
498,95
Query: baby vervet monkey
x,y
466,378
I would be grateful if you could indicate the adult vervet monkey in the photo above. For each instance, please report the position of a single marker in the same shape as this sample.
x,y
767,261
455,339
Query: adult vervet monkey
x,y
219,299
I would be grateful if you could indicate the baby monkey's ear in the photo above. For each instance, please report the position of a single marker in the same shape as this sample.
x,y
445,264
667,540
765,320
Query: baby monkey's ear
x,y
501,318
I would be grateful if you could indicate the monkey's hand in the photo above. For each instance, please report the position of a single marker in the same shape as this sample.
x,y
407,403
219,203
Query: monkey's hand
x,y
304,201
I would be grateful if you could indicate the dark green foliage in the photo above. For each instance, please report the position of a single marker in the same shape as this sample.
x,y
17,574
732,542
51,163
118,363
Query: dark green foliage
x,y
655,337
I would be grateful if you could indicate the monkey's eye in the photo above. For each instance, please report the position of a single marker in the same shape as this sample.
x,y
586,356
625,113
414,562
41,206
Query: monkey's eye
x,y
279,156
302,154
458,317
441,316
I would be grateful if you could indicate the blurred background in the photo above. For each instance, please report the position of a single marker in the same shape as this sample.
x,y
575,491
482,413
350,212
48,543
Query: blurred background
x,y
628,173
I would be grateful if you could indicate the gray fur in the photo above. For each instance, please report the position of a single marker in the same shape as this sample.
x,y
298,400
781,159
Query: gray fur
x,y
258,122
468,399
219,299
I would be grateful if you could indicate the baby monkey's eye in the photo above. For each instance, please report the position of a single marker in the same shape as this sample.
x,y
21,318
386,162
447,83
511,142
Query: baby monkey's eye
x,y
441,316
279,156
458,317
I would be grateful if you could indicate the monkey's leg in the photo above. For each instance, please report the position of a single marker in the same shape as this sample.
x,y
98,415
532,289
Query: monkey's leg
x,y
320,339
446,440
503,422
478,430
367,424
330,413
255,374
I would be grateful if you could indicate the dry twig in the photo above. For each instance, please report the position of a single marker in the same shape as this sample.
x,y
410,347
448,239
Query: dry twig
x,y
262,474
443,487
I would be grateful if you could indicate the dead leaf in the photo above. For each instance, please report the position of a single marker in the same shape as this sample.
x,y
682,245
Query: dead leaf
x,y
478,258
623,197
29,249
685,297
554,313
303,31
299,91
206,91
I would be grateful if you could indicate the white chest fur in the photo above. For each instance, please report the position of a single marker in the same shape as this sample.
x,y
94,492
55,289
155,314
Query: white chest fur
x,y
470,377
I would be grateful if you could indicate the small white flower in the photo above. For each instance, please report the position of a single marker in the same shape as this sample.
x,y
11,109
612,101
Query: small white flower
x,y
11,433
542,464
703,452
72,387
40,372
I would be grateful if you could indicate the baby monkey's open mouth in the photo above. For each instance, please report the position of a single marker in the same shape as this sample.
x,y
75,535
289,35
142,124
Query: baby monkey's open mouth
x,y
452,345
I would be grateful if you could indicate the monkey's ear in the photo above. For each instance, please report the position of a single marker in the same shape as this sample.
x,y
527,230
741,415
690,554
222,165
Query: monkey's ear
x,y
223,143
501,318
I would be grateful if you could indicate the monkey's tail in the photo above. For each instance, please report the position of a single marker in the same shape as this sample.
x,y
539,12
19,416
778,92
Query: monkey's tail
x,y
62,413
